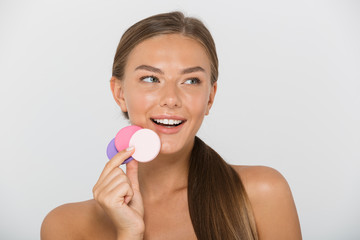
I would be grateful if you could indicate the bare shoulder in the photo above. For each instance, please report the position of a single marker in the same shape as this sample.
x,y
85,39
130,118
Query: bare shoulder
x,y
272,202
79,220
260,180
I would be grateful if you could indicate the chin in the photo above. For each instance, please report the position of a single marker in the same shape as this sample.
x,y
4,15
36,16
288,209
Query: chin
x,y
168,148
177,147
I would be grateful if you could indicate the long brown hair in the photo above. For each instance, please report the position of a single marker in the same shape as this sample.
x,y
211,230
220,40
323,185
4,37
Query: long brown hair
x,y
218,203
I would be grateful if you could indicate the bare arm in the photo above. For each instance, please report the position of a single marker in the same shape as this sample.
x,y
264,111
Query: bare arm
x,y
115,213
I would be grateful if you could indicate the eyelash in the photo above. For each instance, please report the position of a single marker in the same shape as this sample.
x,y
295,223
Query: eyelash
x,y
197,80
142,78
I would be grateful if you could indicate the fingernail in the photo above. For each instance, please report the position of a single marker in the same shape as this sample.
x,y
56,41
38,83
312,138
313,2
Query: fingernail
x,y
130,148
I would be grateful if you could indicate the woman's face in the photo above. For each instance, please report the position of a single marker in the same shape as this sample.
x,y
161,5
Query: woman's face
x,y
167,88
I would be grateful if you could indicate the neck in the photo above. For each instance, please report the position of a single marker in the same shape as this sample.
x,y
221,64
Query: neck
x,y
166,174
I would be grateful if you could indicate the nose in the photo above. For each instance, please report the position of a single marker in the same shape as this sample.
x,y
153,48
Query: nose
x,y
170,96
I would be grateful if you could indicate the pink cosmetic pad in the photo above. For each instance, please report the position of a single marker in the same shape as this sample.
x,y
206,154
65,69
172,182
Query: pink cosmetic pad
x,y
146,142
122,138
121,142
147,145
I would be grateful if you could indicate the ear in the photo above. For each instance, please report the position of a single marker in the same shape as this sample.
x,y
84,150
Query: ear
x,y
211,97
117,90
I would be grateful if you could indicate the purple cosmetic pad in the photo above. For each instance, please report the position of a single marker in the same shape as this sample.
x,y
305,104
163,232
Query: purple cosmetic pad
x,y
112,151
146,142
121,141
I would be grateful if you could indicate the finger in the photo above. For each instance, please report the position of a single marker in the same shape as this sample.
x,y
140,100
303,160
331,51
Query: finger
x,y
115,173
116,162
115,177
132,173
116,193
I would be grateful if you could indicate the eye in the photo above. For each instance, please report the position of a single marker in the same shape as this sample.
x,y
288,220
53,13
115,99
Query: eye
x,y
192,81
149,79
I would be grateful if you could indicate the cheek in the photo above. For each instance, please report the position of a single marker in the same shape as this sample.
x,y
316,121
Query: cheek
x,y
138,102
198,103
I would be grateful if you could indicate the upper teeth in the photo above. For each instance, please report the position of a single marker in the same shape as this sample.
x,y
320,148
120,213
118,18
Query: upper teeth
x,y
168,121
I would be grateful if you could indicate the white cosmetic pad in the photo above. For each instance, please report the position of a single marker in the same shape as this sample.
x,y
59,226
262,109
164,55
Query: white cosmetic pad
x,y
147,145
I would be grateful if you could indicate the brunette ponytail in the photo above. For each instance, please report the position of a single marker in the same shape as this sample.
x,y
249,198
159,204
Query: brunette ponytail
x,y
218,204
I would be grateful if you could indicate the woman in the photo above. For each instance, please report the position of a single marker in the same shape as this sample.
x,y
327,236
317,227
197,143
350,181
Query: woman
x,y
164,78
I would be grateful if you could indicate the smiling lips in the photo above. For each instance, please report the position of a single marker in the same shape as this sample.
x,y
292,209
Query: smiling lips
x,y
168,124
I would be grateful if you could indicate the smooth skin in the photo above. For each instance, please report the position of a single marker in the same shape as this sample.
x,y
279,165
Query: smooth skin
x,y
150,200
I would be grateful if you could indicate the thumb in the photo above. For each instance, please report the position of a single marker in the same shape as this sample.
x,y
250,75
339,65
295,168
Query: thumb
x,y
132,173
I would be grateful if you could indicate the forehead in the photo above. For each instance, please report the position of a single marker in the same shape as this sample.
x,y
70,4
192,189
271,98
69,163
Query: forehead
x,y
170,50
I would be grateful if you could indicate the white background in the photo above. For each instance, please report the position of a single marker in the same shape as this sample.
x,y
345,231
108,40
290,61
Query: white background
x,y
288,97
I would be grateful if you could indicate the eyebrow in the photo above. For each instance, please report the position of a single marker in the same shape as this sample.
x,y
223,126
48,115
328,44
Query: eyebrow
x,y
157,70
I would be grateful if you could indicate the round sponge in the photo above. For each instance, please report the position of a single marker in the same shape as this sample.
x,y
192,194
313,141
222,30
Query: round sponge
x,y
146,142
147,145
122,138
111,150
